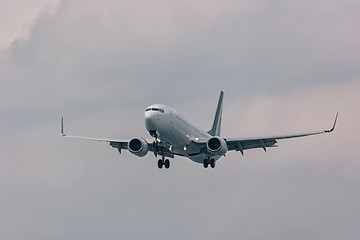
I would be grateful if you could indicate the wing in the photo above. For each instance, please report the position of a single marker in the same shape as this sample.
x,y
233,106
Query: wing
x,y
116,143
158,149
242,144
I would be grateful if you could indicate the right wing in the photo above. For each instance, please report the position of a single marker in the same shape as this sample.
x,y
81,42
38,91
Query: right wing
x,y
157,149
117,143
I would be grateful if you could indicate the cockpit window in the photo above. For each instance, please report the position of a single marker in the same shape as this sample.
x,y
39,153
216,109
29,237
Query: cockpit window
x,y
155,109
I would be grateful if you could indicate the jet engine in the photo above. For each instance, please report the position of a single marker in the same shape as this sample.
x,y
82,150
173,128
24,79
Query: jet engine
x,y
138,147
217,145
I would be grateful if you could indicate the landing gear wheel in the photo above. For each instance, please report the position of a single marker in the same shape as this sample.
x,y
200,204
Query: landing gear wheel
x,y
167,163
212,163
206,163
160,163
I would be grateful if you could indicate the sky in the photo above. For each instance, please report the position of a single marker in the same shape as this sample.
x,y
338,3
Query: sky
x,y
285,67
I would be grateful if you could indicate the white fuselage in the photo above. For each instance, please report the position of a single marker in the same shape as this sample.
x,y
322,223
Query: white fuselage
x,y
176,132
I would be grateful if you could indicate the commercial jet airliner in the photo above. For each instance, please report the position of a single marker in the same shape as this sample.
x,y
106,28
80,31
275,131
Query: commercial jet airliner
x,y
173,135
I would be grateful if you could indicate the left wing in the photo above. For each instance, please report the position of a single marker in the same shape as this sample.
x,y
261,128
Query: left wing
x,y
241,144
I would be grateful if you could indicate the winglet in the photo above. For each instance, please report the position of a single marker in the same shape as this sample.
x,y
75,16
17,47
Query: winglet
x,y
333,127
62,128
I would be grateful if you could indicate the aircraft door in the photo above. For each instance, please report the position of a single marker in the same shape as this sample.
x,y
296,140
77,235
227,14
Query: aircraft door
x,y
172,121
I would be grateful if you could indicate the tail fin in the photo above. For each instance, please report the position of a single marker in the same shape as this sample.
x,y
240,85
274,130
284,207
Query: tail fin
x,y
216,128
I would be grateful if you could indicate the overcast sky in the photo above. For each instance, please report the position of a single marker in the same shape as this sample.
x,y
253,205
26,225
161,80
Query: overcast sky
x,y
285,67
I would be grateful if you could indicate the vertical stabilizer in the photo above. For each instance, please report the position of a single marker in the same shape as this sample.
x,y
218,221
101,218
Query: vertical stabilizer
x,y
216,128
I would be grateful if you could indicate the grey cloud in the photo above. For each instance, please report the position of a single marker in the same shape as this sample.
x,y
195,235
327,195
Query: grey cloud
x,y
100,64
261,47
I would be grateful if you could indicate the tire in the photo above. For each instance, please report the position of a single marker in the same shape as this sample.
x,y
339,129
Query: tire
x,y
206,163
160,163
212,163
167,163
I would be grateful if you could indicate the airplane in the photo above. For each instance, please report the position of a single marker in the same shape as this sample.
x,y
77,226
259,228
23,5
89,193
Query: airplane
x,y
173,135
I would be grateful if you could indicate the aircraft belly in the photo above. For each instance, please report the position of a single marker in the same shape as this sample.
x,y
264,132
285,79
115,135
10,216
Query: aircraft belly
x,y
200,158
179,134
193,152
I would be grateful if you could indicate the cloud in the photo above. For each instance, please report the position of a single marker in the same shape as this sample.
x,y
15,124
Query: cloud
x,y
285,68
17,18
182,46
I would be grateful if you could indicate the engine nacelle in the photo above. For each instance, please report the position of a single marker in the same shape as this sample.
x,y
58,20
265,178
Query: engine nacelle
x,y
138,147
217,145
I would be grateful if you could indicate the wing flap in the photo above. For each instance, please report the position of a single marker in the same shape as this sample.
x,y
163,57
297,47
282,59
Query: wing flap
x,y
245,144
241,144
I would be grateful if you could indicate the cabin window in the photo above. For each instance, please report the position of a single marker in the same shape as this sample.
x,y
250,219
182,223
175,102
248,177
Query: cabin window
x,y
155,109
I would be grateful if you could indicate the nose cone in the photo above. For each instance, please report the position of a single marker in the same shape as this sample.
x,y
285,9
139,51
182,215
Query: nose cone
x,y
151,119
155,117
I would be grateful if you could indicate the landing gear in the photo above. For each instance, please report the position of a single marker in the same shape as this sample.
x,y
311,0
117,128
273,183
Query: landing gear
x,y
209,161
163,162
156,147
206,163
159,149
160,163
167,163
212,163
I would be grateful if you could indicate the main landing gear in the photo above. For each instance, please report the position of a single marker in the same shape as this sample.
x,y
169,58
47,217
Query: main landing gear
x,y
209,161
163,162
